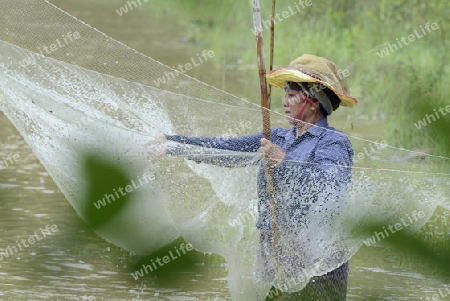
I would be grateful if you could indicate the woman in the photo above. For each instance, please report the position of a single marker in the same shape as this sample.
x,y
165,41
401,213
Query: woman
x,y
312,170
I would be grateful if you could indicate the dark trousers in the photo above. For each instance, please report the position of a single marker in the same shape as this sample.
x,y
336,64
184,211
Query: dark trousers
x,y
329,287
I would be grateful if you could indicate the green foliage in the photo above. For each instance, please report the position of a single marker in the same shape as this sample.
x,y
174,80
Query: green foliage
x,y
102,177
403,86
425,100
436,232
172,272
434,255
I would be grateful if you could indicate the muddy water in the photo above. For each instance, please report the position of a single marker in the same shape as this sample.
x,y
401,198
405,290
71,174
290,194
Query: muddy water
x,y
53,255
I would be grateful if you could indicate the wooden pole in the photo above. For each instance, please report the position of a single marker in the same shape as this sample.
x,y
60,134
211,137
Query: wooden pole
x,y
265,106
272,43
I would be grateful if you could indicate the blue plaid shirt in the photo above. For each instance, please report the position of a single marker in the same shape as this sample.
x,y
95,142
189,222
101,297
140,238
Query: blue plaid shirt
x,y
315,171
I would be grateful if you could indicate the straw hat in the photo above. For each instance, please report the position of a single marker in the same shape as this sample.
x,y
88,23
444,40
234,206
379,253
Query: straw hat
x,y
309,68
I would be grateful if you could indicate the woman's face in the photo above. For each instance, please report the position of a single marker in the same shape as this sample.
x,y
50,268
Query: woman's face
x,y
293,103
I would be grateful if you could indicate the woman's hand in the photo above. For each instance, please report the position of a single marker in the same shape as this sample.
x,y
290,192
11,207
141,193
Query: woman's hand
x,y
156,148
271,153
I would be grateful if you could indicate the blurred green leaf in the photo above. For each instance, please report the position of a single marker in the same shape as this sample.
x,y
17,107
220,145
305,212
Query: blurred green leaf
x,y
413,244
103,179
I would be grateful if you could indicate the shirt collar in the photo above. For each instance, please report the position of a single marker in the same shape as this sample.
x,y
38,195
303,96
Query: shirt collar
x,y
318,128
315,130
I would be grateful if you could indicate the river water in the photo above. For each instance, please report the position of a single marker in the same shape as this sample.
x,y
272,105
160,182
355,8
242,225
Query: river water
x,y
54,255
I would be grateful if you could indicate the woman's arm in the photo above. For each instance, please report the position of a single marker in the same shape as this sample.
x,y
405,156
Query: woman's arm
x,y
240,144
225,152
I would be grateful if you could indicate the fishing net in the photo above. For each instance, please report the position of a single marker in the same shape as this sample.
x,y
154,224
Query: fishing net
x,y
83,90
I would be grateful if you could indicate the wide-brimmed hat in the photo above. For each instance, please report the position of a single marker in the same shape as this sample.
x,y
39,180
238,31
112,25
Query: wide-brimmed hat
x,y
310,68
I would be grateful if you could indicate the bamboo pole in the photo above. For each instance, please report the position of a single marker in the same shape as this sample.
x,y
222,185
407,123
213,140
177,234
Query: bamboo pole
x,y
265,106
272,43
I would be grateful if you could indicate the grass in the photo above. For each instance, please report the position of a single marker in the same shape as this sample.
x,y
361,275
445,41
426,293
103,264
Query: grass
x,y
401,87
349,33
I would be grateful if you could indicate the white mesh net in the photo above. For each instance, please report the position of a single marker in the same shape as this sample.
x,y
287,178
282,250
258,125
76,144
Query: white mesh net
x,y
98,94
